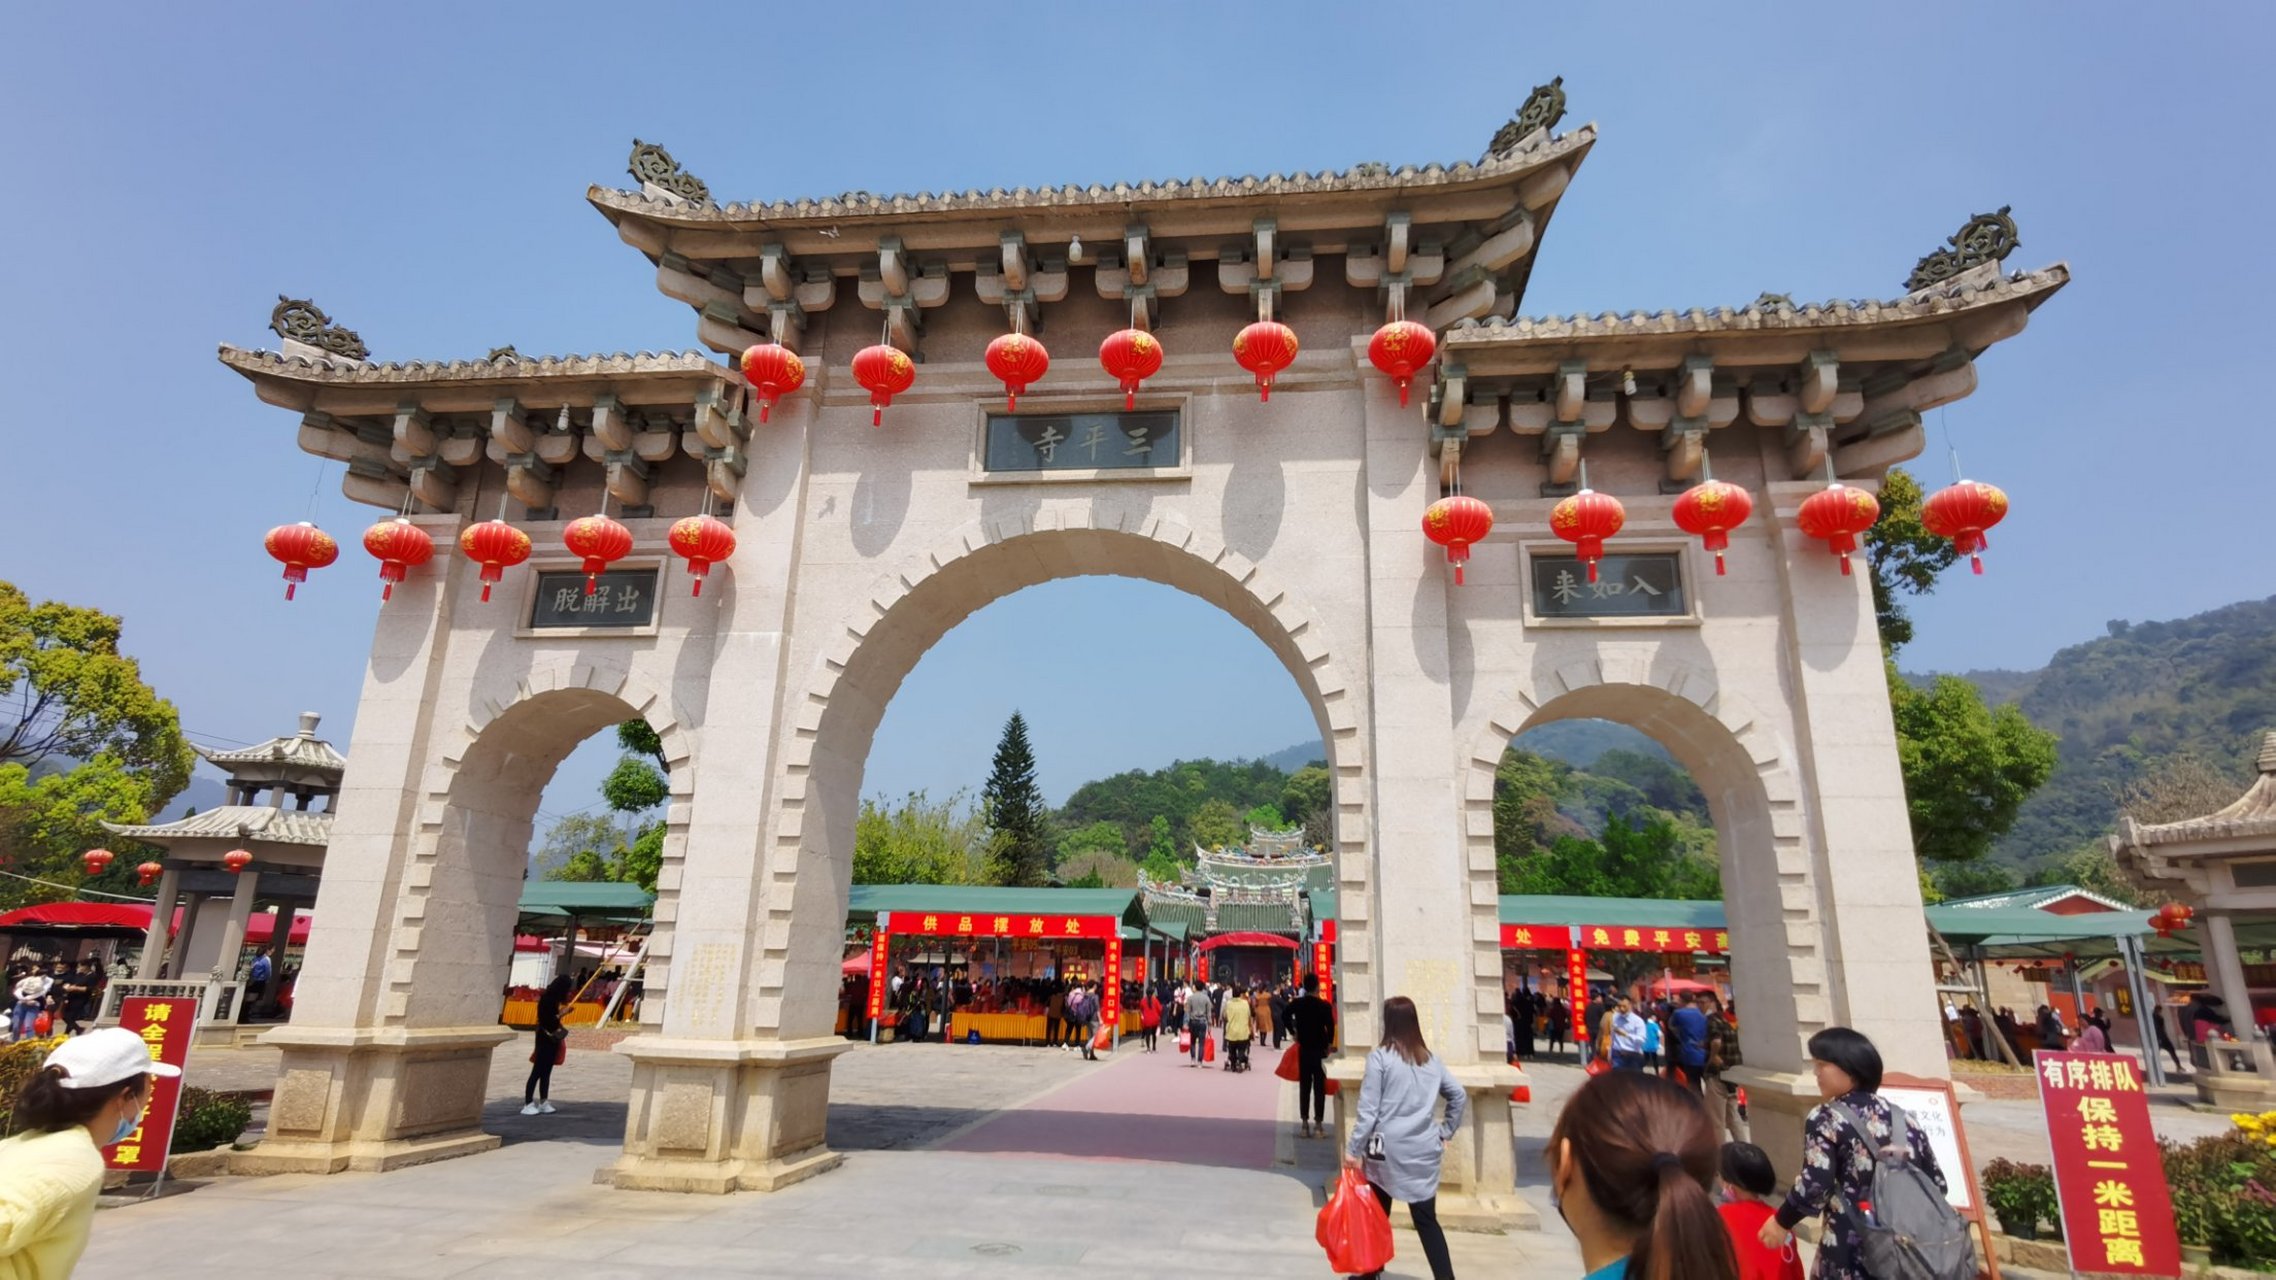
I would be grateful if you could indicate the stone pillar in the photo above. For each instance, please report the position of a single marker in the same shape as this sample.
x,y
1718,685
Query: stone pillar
x,y
2226,969
151,964
240,916
177,963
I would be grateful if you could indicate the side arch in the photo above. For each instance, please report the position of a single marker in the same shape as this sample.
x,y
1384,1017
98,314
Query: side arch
x,y
1745,765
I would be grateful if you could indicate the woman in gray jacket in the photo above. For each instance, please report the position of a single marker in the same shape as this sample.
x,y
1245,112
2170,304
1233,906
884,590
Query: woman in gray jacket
x,y
1398,1104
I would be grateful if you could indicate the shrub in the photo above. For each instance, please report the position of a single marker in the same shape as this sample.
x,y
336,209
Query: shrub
x,y
2020,1194
18,1063
208,1119
2224,1191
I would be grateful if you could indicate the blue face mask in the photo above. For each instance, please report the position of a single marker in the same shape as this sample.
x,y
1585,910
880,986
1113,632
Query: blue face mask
x,y
127,1125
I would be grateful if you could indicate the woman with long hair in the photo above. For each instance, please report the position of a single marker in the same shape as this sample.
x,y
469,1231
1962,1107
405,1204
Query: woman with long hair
x,y
1837,1159
552,1038
89,1094
1398,1137
1631,1163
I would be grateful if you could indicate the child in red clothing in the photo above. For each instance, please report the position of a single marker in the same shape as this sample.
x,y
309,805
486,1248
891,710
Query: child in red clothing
x,y
1748,1183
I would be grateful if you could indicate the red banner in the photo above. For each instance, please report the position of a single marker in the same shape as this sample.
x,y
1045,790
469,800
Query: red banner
x,y
1576,991
1110,987
880,942
2117,1210
1536,937
167,1026
1324,964
1201,967
1141,973
942,924
1617,937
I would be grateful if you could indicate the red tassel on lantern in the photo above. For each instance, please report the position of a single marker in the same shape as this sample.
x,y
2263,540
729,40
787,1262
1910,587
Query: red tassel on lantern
x,y
1962,512
497,547
600,541
1837,514
703,542
774,371
400,547
1264,349
1131,356
1016,360
1709,510
1586,519
1399,349
301,547
1457,523
885,372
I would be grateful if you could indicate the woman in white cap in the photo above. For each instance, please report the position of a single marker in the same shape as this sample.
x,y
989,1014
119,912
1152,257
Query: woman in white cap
x,y
88,1095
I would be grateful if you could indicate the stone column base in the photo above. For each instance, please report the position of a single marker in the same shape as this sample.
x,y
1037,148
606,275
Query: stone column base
x,y
1477,1186
1777,1102
374,1098
714,1116
2238,1075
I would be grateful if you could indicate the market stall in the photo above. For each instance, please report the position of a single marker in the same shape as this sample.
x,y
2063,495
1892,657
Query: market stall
x,y
596,932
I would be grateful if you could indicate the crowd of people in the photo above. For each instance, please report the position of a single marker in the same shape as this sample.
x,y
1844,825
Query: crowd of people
x,y
66,995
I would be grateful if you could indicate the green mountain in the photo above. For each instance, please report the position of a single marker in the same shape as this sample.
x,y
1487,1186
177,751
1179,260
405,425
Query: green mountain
x,y
2202,686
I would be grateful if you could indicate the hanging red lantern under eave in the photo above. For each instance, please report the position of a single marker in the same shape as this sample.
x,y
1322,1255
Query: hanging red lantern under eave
x,y
236,860
1837,514
1131,356
1016,360
97,861
147,874
497,547
885,372
1264,349
1457,524
400,547
1400,349
600,542
1586,519
1962,512
702,541
774,371
1709,511
301,547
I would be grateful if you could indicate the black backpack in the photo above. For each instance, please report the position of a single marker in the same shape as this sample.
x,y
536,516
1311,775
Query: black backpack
x,y
1913,1232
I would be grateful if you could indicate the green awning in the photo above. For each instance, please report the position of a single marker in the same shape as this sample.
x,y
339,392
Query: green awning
x,y
979,899
1645,913
594,900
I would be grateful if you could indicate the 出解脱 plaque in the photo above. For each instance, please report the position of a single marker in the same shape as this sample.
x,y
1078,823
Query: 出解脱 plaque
x,y
620,598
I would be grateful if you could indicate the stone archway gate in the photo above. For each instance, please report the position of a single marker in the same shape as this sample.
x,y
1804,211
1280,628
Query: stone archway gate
x,y
859,546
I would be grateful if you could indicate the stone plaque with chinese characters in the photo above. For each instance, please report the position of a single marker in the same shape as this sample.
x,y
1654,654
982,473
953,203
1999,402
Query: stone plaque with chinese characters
x,y
621,598
1644,585
1081,441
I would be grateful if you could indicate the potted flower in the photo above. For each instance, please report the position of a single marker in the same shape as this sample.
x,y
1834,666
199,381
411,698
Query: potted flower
x,y
2019,1194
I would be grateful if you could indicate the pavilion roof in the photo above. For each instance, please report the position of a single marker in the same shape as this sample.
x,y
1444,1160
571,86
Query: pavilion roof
x,y
2252,814
2036,897
298,751
505,370
250,823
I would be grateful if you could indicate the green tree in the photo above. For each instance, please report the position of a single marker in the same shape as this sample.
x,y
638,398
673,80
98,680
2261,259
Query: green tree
x,y
1015,811
1973,879
580,846
1266,817
1308,800
1217,825
1646,860
1162,860
1967,767
2092,867
921,841
1095,837
82,741
1098,869
1905,558
635,788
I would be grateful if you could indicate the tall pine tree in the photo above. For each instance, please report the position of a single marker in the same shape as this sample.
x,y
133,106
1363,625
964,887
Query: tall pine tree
x,y
1016,815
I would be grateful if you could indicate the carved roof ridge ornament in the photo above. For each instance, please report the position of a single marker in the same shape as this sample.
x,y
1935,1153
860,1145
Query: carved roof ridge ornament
x,y
1987,238
498,354
656,169
1541,111
1767,301
299,320
531,367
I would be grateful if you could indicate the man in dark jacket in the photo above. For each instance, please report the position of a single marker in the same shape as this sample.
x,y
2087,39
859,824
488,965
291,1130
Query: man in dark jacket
x,y
1314,1022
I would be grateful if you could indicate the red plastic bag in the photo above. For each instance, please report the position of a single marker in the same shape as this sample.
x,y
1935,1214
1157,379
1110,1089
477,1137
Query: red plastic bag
x,y
1208,1050
1185,1042
1287,1070
1353,1228
1598,1066
43,1024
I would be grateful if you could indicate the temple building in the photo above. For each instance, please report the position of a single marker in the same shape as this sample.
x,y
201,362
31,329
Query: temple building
x,y
1252,907
228,869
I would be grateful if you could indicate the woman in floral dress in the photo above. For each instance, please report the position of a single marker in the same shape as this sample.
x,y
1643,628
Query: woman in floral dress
x,y
1837,1165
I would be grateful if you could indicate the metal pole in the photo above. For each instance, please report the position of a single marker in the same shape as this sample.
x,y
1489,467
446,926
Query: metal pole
x,y
2078,994
2145,1017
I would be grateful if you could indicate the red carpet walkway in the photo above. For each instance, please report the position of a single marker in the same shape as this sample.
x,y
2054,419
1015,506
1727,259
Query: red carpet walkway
x,y
1144,1106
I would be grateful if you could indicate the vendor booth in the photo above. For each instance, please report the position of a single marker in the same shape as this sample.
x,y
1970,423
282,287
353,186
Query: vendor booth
x,y
594,931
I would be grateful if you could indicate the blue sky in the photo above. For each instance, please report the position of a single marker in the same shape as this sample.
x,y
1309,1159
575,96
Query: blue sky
x,y
418,170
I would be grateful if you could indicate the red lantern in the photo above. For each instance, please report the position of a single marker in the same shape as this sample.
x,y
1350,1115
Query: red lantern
x,y
1586,519
1017,360
702,541
97,861
1709,510
1264,349
1962,512
1838,514
1399,349
301,547
600,541
236,860
147,874
884,372
1131,356
1456,524
496,546
400,546
774,371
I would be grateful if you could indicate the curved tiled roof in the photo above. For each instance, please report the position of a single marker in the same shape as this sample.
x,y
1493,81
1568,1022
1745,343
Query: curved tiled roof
x,y
2251,814
298,752
237,822
247,360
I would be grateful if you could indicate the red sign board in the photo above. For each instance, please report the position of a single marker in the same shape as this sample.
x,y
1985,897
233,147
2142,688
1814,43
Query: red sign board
x,y
1141,972
1110,987
1620,937
1201,967
1536,937
2117,1210
1576,991
880,943
167,1026
1324,964
963,924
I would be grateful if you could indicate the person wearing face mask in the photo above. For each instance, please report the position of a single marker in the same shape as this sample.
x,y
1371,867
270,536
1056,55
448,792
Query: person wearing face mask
x,y
1631,1161
89,1094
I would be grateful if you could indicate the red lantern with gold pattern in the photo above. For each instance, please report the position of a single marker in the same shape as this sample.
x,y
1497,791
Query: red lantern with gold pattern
x,y
774,371
885,372
600,541
1458,523
1131,356
301,547
236,860
1837,514
1586,519
1017,360
702,541
147,874
1264,349
1399,349
1962,512
1709,511
400,546
97,861
496,546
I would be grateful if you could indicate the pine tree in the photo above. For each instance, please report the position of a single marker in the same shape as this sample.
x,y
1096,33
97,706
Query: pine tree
x,y
1016,815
